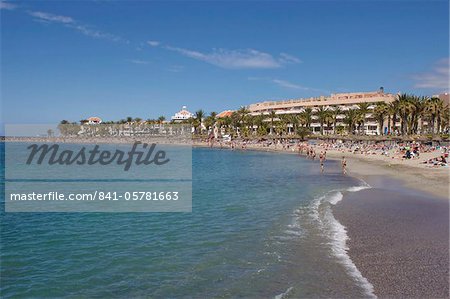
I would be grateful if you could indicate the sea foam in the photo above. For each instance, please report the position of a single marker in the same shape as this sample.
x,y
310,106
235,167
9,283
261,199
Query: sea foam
x,y
337,233
284,294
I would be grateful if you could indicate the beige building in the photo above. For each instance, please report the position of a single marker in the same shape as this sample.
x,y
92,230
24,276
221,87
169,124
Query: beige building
x,y
445,97
345,101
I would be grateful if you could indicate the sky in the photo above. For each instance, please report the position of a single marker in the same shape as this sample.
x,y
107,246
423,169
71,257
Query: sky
x,y
75,59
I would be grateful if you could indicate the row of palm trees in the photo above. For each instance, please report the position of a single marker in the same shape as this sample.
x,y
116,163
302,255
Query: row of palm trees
x,y
127,120
406,115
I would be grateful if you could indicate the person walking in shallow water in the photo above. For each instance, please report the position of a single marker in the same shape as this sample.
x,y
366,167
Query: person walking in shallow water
x,y
322,159
344,165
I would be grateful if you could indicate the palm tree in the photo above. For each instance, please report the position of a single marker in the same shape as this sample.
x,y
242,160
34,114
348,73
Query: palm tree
x,y
195,123
235,121
210,121
161,119
199,115
225,122
282,125
445,119
392,111
405,107
352,116
417,109
251,123
321,114
434,108
259,119
272,115
329,120
306,115
243,113
363,109
303,132
379,113
262,130
335,112
293,120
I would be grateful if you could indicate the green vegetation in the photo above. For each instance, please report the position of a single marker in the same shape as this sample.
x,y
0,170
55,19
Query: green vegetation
x,y
408,115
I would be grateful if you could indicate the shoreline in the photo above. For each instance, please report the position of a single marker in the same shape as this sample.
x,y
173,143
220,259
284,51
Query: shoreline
x,y
399,241
433,181
365,214
411,173
397,231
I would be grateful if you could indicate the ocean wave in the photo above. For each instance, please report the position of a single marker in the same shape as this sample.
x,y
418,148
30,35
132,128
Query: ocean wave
x,y
335,198
359,188
284,294
339,237
337,233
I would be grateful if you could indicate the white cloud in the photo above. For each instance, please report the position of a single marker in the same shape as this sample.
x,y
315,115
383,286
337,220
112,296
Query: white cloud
x,y
254,78
73,24
176,68
138,61
437,78
232,59
286,58
7,5
48,17
96,33
153,43
288,84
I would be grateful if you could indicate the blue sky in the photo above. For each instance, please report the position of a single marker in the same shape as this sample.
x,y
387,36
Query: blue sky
x,y
113,59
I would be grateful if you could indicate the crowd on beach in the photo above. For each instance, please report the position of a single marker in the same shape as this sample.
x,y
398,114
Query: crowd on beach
x,y
426,154
317,149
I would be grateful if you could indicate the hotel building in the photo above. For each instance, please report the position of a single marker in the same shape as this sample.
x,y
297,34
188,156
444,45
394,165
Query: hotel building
x,y
345,101
182,115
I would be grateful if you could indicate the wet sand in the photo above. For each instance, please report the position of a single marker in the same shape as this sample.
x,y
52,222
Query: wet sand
x,y
398,239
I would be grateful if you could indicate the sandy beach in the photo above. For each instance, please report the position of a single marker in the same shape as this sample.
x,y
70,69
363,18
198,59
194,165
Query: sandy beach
x,y
399,241
399,229
412,173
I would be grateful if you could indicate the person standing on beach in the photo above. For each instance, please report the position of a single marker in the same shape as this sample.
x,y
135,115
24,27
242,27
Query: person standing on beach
x,y
344,165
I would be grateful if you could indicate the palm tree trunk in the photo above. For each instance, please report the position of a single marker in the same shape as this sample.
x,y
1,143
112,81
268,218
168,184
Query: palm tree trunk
x,y
380,123
389,124
394,122
433,119
438,121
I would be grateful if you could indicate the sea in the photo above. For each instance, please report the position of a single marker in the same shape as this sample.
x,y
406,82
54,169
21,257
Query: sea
x,y
261,226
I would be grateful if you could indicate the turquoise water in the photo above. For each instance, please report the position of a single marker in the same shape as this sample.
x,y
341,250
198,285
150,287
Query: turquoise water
x,y
261,226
